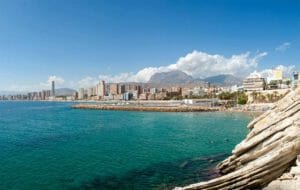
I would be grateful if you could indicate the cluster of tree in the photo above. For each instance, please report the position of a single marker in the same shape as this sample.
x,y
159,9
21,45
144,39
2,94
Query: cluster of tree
x,y
238,97
179,97
199,97
268,98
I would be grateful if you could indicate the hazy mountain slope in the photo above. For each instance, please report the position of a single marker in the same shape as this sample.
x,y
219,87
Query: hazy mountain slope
x,y
224,80
172,77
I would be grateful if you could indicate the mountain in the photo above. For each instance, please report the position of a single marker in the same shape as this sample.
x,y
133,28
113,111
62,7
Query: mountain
x,y
179,78
224,80
171,77
64,92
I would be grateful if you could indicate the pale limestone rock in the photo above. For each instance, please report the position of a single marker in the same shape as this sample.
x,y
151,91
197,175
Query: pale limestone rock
x,y
298,160
270,148
295,170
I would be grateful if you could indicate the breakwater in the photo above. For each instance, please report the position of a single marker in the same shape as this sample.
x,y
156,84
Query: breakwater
x,y
147,108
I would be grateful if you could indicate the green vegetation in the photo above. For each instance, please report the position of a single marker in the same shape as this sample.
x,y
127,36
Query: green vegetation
x,y
238,97
258,97
226,96
242,98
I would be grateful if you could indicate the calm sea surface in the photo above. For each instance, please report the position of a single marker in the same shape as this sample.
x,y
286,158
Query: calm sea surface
x,y
48,145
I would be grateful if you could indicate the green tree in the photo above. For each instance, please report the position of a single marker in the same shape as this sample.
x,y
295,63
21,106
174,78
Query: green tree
x,y
226,96
242,98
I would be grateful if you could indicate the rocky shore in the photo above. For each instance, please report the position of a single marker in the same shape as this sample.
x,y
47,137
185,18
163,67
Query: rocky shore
x,y
179,108
290,180
269,150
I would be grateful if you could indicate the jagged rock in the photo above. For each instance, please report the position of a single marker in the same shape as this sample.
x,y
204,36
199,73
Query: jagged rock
x,y
270,148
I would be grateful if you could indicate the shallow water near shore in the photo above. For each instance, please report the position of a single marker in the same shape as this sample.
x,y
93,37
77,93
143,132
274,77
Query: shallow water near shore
x,y
48,145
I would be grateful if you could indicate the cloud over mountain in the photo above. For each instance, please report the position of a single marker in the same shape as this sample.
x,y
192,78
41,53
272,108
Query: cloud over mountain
x,y
197,64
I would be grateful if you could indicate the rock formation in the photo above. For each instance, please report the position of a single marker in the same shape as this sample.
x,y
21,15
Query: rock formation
x,y
269,149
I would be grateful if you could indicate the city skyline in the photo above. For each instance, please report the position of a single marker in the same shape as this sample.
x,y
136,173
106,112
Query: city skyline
x,y
77,43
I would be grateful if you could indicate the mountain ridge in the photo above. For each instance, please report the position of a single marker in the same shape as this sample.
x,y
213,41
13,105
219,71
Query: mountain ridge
x,y
180,77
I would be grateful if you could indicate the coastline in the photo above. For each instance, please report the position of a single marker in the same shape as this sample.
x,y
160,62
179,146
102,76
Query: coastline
x,y
156,106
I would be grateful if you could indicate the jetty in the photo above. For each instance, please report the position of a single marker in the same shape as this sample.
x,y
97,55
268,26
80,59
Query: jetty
x,y
179,108
268,153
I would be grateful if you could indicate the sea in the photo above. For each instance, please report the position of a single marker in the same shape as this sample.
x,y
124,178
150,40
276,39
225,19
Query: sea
x,y
49,145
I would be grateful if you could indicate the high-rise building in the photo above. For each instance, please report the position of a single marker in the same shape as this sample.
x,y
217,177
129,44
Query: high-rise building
x,y
48,93
44,95
81,93
113,89
121,89
101,89
90,92
53,88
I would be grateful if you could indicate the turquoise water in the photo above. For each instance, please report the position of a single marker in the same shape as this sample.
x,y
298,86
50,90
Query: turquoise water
x,y
48,145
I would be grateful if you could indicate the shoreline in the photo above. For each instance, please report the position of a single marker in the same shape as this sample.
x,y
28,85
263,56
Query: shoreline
x,y
156,106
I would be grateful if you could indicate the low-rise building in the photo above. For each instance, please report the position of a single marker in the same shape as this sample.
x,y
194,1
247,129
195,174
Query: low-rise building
x,y
154,90
161,95
254,83
144,96
127,96
186,92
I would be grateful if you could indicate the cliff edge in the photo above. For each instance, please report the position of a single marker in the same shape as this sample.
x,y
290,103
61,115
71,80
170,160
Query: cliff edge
x,y
269,150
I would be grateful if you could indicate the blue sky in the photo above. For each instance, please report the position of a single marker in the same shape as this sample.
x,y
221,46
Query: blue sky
x,y
75,41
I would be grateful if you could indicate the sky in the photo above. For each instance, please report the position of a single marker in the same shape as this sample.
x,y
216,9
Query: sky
x,y
79,42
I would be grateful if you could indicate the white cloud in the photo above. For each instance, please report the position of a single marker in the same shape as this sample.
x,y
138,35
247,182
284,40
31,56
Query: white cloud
x,y
201,64
197,64
59,81
123,77
283,47
87,82
268,73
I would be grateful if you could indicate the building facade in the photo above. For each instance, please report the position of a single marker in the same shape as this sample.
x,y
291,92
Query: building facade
x,y
254,83
53,89
101,89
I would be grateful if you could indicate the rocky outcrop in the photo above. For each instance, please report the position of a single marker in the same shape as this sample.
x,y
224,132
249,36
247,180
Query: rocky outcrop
x,y
270,148
289,180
